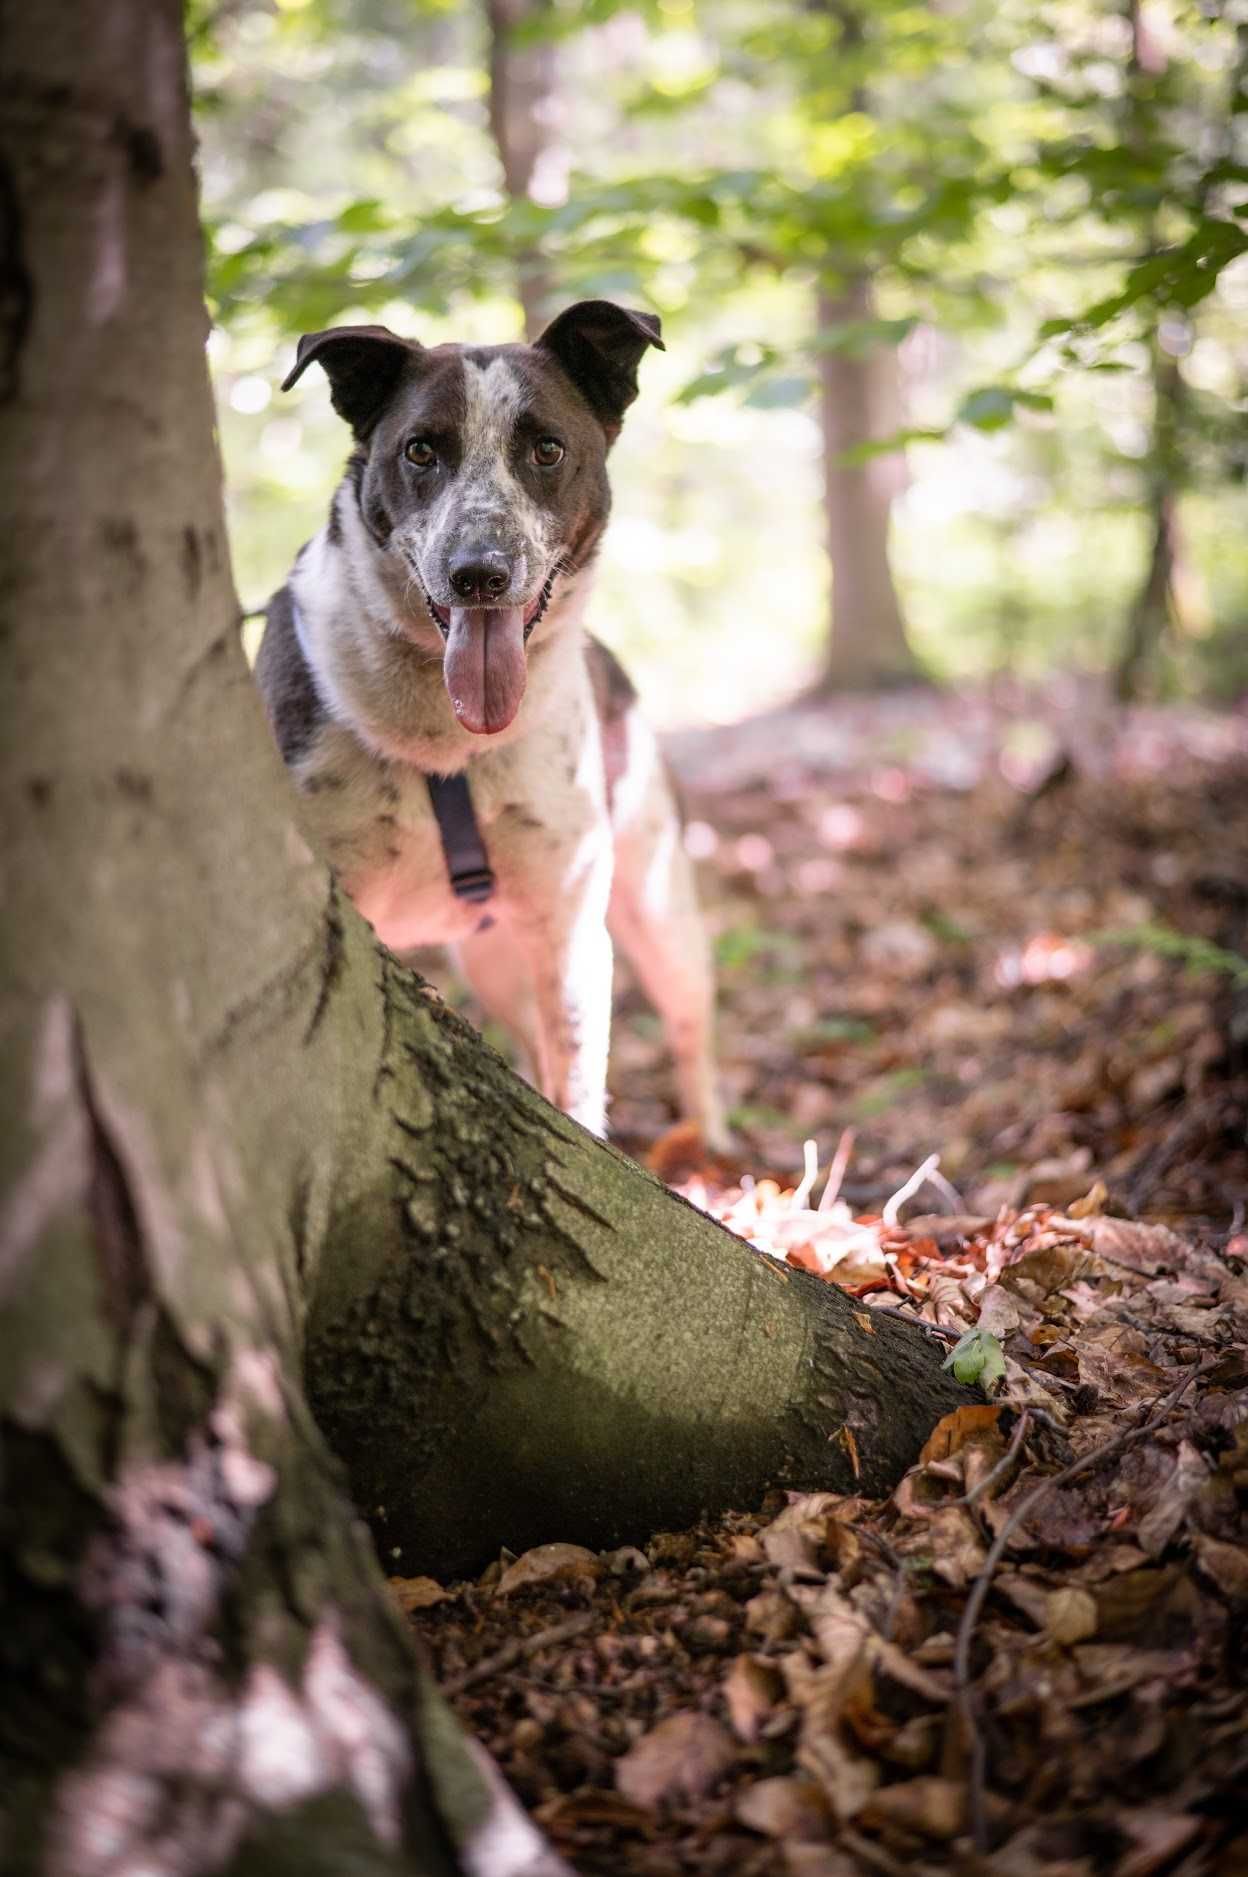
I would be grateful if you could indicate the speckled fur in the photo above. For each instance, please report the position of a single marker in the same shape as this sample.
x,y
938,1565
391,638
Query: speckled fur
x,y
571,798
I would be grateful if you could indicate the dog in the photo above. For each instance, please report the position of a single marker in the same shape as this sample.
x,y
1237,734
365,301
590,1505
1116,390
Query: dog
x,y
473,764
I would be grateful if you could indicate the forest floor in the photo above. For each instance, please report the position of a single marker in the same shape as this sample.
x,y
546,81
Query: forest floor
x,y
1008,932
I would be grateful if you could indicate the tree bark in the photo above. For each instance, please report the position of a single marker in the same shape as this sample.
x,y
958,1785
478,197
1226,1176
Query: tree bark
x,y
1151,608
523,88
242,1146
867,646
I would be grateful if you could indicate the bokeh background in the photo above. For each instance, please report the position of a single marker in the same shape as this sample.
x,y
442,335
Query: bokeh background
x,y
957,288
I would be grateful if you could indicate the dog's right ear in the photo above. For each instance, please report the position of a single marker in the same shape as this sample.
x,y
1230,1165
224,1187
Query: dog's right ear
x,y
362,364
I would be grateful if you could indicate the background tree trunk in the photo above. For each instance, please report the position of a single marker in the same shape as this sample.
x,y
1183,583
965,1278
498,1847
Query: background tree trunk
x,y
1152,607
523,91
238,1136
867,646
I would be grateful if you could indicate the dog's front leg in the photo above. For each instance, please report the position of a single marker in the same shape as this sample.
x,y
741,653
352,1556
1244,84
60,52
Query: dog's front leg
x,y
569,954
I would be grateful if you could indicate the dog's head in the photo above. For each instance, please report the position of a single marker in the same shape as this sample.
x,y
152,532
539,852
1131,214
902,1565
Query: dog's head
x,y
481,471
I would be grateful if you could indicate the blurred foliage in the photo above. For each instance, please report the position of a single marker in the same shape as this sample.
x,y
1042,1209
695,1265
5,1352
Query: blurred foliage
x,y
1042,212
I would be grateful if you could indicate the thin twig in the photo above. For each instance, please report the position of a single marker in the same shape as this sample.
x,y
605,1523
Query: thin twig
x,y
517,1650
918,1178
979,1591
947,1190
1003,1464
836,1172
806,1185
922,1323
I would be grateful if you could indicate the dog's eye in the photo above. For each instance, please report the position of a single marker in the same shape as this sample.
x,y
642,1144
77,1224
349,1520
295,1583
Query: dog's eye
x,y
420,454
547,451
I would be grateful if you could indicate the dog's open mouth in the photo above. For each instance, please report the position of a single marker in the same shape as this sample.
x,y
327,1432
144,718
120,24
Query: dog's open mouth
x,y
484,666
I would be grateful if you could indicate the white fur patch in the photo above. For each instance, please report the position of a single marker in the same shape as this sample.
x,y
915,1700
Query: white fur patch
x,y
484,496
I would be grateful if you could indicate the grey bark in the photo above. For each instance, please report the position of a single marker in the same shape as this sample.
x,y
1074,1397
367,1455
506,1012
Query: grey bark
x,y
1149,612
867,646
523,80
240,1144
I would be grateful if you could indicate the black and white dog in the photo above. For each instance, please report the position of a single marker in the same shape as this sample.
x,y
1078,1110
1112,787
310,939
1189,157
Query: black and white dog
x,y
472,763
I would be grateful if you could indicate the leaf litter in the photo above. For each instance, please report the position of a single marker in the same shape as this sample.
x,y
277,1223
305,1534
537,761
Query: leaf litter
x,y
1034,1655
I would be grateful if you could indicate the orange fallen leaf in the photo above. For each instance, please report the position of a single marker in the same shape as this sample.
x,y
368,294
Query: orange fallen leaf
x,y
952,1432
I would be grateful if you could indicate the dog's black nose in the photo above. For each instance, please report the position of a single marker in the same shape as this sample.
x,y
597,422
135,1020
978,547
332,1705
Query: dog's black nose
x,y
479,574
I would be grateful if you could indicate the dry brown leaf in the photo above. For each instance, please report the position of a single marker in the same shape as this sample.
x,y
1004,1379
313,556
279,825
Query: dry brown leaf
x,y
1025,1593
785,1808
999,1313
751,1689
1130,1604
1049,1268
1225,1565
802,1859
846,1777
1092,1204
681,1150
416,1593
1159,1837
1188,1478
956,1547
772,1616
1147,1248
546,1564
681,1758
839,1628
1070,1615
796,1537
935,1808
952,1432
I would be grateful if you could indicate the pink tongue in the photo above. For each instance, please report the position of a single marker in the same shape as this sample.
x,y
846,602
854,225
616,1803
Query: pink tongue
x,y
483,666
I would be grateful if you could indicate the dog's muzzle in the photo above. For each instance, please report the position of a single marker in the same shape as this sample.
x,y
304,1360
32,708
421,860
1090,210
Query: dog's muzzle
x,y
484,665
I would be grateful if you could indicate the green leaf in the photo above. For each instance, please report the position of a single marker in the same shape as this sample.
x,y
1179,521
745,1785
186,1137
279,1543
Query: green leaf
x,y
976,1357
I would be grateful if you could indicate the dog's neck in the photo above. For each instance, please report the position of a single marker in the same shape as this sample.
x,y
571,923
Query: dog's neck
x,y
376,655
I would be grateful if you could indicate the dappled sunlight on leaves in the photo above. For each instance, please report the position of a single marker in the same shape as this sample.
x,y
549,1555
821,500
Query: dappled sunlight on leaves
x,y
1032,1651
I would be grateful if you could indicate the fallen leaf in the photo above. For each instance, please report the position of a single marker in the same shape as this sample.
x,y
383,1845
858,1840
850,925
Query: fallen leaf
x,y
1147,1248
1159,1837
1225,1565
772,1616
952,1432
751,1689
416,1593
935,1808
796,1537
998,1312
1070,1615
681,1758
846,1777
803,1859
1092,1204
1188,1477
680,1151
546,1564
785,1808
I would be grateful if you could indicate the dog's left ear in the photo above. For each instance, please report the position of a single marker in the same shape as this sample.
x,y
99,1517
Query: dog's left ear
x,y
362,364
600,345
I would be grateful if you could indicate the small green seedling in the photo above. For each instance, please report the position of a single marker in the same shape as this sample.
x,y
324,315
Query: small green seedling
x,y
976,1357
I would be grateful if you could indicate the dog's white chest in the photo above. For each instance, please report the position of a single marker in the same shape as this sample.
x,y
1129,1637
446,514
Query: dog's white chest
x,y
378,828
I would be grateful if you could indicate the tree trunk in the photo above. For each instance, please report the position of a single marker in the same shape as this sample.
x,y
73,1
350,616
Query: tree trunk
x,y
1149,614
522,97
242,1144
1150,610
867,647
